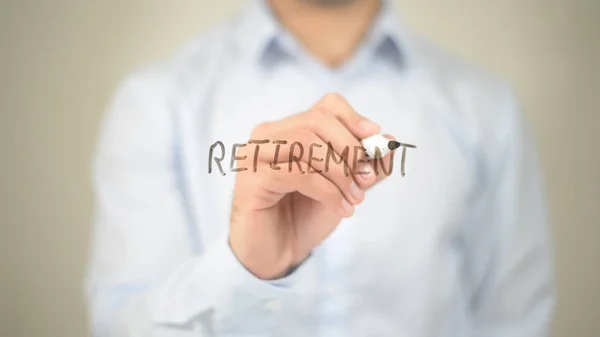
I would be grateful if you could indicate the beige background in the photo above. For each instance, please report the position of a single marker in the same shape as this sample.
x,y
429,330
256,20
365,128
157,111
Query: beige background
x,y
61,59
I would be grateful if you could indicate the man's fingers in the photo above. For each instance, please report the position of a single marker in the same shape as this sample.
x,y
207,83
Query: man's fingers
x,y
342,144
327,139
360,126
314,186
333,120
325,124
321,160
307,153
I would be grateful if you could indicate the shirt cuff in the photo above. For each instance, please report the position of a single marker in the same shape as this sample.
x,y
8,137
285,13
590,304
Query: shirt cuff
x,y
248,304
242,277
290,279
215,286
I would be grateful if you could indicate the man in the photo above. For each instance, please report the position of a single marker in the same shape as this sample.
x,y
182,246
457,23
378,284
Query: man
x,y
454,242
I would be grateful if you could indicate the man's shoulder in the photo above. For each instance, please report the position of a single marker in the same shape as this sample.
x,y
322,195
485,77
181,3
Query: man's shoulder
x,y
478,98
454,72
189,67
157,94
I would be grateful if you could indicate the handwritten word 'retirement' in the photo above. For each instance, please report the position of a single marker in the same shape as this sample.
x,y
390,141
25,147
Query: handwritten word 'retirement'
x,y
295,158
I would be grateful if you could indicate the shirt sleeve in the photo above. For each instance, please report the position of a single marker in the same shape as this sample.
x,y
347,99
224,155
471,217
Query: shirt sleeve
x,y
144,277
511,252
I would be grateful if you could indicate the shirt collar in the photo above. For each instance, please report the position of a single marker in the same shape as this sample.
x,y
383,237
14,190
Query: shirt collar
x,y
258,31
386,35
259,34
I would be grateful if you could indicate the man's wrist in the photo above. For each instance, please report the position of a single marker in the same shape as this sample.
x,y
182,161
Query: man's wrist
x,y
261,268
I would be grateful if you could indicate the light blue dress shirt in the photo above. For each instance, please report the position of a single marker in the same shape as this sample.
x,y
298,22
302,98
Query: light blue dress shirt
x,y
459,246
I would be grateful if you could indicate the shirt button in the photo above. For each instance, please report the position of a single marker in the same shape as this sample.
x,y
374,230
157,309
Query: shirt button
x,y
273,305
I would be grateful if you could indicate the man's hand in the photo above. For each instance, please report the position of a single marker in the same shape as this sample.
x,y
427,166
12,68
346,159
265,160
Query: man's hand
x,y
280,215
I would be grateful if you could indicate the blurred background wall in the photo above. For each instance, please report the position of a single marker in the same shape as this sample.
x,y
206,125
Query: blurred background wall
x,y
60,61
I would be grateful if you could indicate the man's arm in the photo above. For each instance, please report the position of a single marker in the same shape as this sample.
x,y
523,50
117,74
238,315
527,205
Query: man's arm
x,y
145,278
510,243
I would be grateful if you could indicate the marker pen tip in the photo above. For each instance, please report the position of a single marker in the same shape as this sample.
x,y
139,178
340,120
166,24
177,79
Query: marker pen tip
x,y
392,144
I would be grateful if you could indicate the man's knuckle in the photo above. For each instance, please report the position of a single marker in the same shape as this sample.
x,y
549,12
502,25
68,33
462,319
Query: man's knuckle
x,y
261,129
320,117
333,98
332,191
304,137
274,176
340,175
319,112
